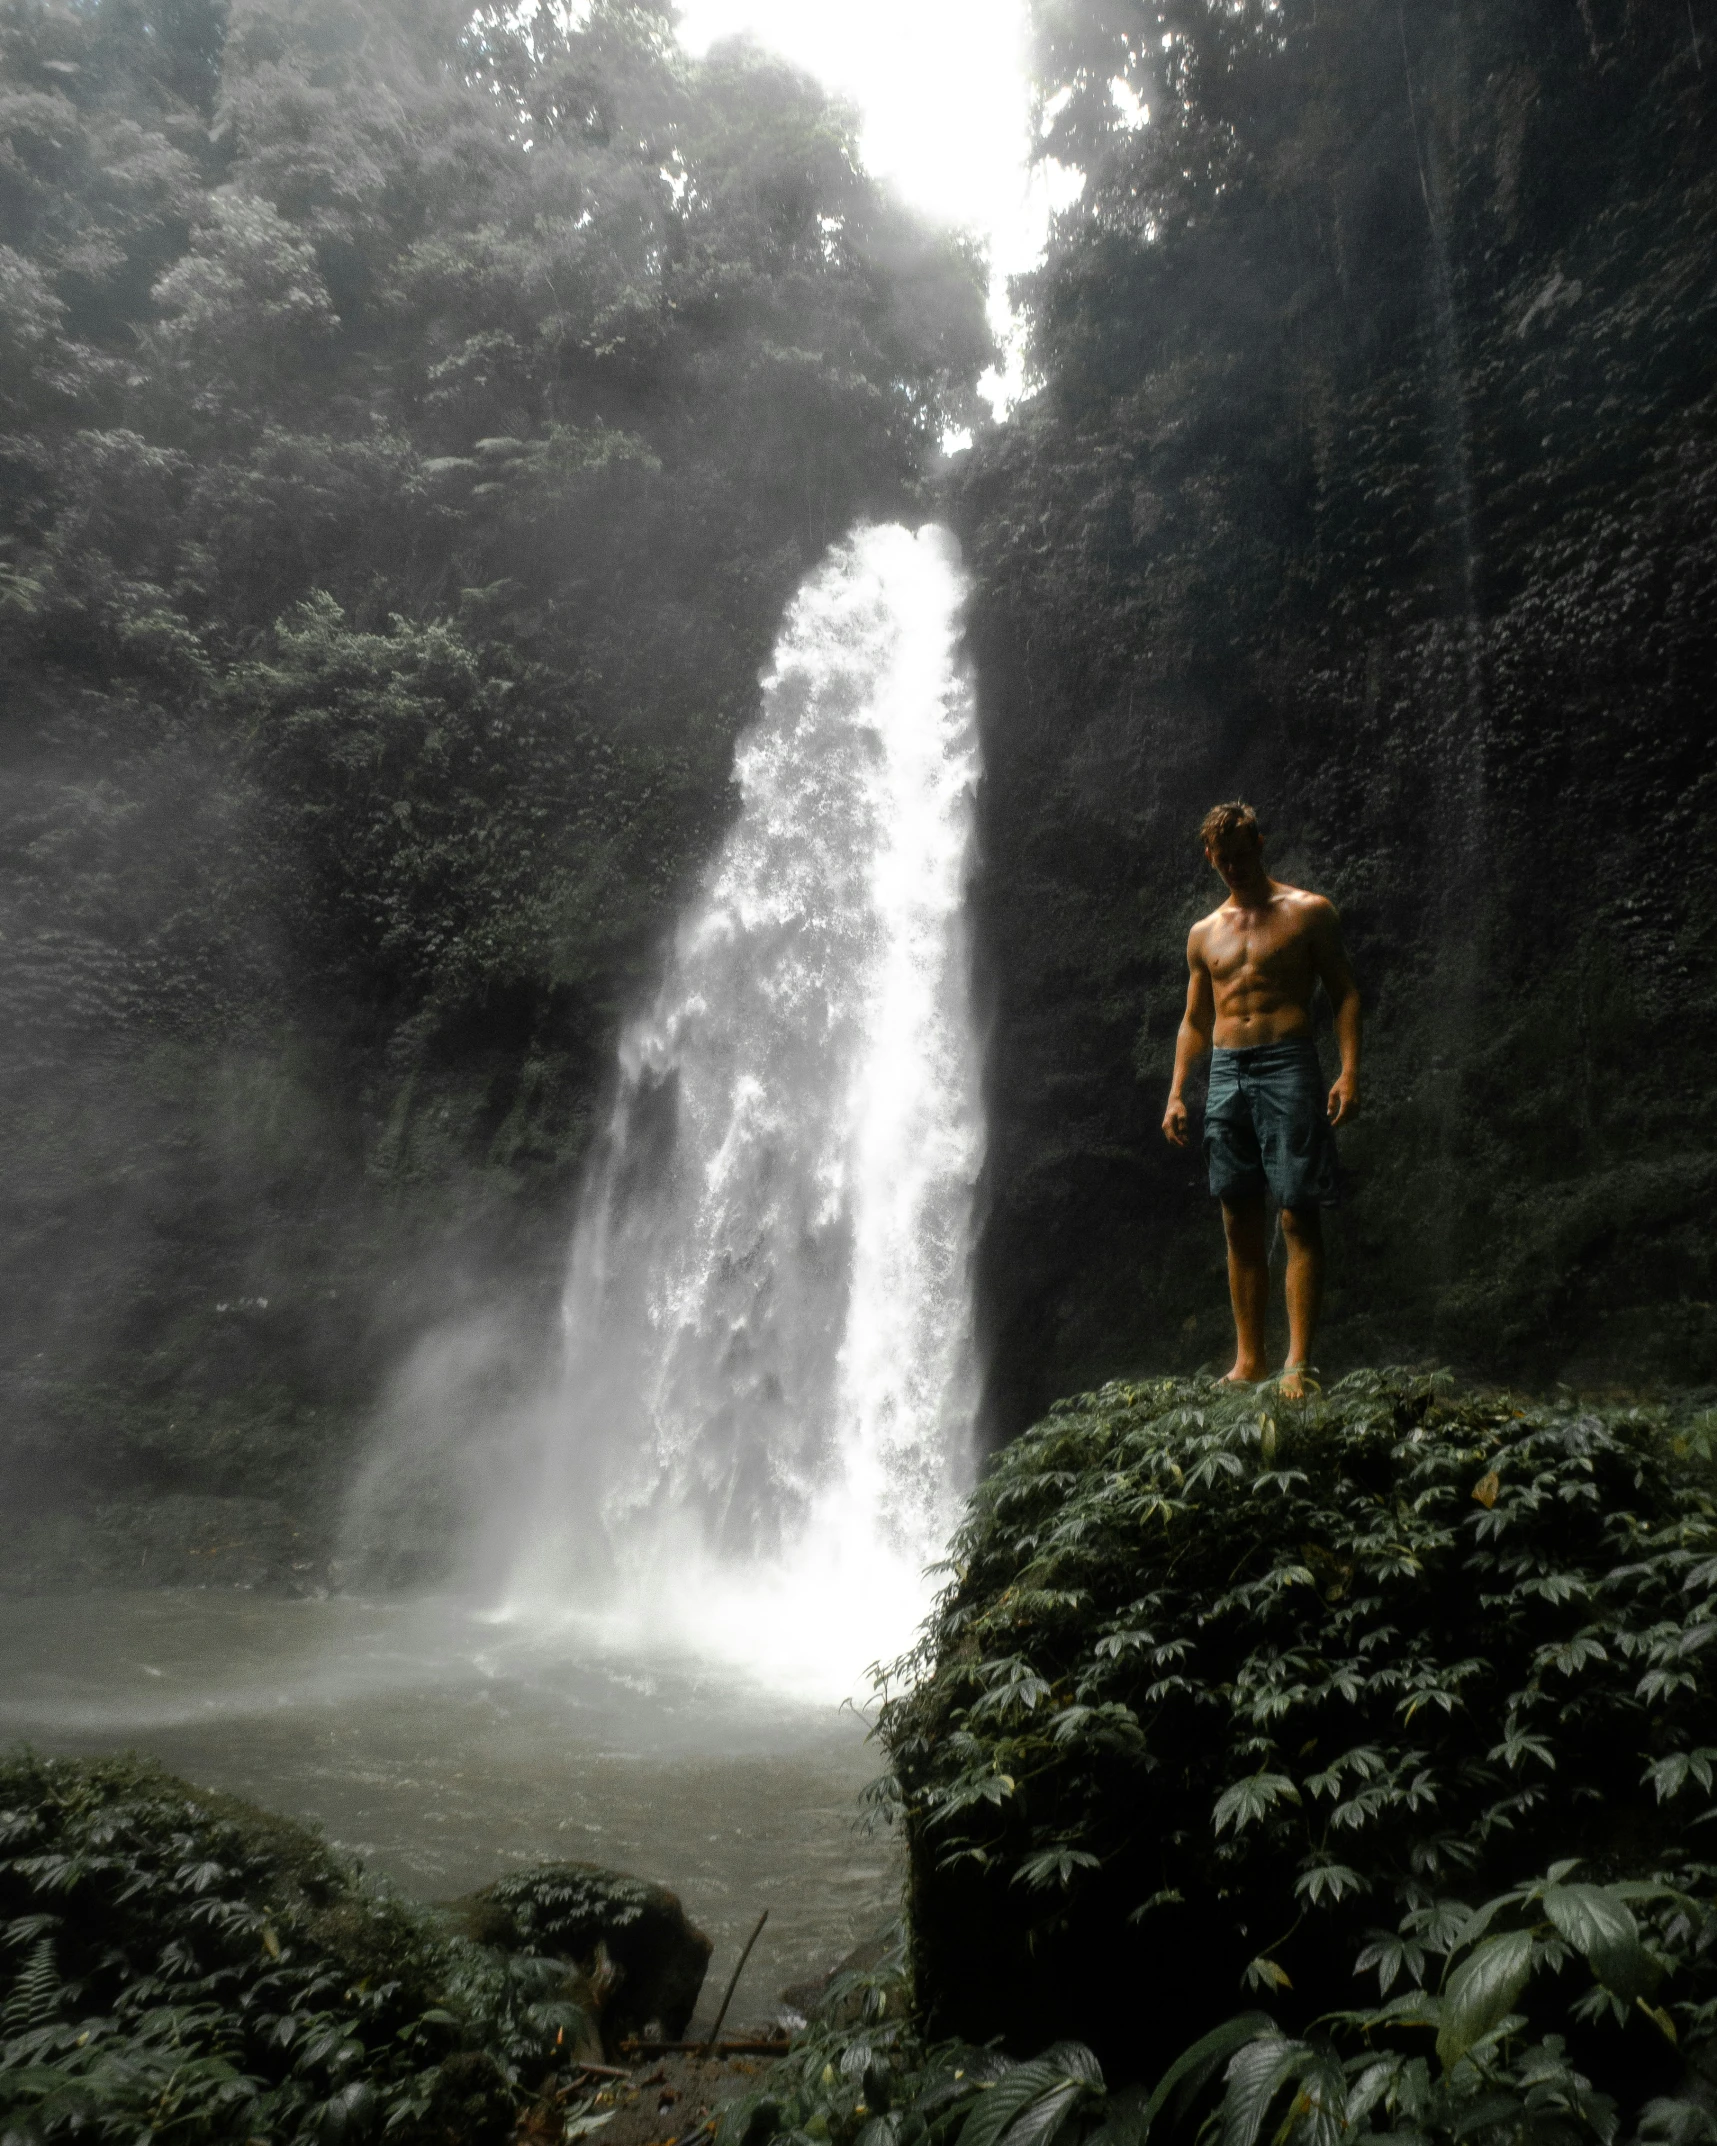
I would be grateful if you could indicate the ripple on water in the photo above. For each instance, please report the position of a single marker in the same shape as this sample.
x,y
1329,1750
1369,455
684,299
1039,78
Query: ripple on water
x,y
445,1755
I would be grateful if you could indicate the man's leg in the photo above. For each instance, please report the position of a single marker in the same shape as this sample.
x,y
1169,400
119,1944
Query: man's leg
x,y
1248,1280
1303,1227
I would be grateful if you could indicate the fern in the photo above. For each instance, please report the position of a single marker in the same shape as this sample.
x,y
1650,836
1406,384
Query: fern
x,y
34,1997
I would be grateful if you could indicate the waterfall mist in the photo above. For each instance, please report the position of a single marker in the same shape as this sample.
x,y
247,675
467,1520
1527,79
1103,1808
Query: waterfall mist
x,y
762,1423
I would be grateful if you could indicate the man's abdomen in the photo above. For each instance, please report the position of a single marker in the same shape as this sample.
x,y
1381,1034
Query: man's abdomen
x,y
1284,1022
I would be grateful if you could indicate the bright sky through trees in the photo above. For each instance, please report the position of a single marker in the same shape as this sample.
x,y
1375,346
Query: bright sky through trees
x,y
943,89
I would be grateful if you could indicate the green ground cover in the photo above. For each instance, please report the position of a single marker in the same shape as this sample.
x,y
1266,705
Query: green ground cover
x,y
178,1965
1231,1698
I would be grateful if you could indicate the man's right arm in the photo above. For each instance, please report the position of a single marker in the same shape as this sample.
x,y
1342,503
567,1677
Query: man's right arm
x,y
1190,1045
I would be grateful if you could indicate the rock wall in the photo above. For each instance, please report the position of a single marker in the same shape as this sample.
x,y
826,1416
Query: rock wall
x,y
1372,477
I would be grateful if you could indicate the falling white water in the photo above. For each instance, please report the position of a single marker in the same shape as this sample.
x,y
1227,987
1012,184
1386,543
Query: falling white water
x,y
764,1423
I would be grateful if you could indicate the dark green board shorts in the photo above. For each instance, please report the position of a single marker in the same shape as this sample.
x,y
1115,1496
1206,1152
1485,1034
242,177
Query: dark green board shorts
x,y
1266,1122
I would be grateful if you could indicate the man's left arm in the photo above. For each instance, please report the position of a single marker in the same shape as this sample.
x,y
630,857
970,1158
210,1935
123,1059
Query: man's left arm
x,y
1338,980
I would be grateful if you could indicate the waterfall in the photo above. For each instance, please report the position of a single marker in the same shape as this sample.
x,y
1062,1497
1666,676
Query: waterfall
x,y
763,1424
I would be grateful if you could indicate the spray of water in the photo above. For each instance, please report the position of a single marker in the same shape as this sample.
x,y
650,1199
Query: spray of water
x,y
763,1426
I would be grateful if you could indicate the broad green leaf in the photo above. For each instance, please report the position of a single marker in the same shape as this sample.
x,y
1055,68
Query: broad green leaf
x,y
1369,2089
1056,2079
1039,2121
1075,2062
1256,2075
1194,2067
882,2130
1482,1991
1603,1930
1317,2116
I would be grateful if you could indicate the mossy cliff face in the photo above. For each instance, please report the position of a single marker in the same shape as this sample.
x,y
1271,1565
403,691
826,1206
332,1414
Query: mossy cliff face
x,y
1225,1688
1373,477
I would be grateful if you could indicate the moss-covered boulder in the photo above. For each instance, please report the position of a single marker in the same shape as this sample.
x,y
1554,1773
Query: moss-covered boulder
x,y
1227,1692
633,1939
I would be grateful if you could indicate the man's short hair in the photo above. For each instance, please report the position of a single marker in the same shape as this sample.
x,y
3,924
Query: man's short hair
x,y
1226,828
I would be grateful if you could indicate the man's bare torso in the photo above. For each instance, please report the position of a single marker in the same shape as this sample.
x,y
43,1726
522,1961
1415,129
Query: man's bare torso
x,y
1264,960
1252,968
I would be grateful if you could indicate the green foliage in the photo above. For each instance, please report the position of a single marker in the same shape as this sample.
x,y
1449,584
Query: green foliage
x,y
180,1964
570,1905
1236,1681
861,2070
859,2074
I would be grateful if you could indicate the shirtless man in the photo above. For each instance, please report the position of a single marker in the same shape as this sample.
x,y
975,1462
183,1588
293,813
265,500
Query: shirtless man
x,y
1255,964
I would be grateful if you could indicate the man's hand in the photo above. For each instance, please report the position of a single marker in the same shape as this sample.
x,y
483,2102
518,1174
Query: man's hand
x,y
1175,1122
1344,1099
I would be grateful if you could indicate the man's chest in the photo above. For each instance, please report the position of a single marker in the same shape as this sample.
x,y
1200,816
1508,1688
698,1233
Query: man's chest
x,y
1267,944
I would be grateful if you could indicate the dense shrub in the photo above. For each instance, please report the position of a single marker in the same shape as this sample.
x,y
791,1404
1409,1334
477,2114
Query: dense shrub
x,y
1224,1688
175,1963
862,2075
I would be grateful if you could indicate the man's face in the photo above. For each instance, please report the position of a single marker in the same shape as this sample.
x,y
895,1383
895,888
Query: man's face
x,y
1236,861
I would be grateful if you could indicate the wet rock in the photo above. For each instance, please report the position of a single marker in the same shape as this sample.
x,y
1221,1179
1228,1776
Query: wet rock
x,y
178,1540
644,1957
838,1997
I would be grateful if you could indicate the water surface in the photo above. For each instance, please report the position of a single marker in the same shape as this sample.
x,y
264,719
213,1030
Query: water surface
x,y
446,1750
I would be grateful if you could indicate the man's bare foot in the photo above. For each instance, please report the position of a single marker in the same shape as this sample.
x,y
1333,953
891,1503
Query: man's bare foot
x,y
1296,1382
1242,1375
